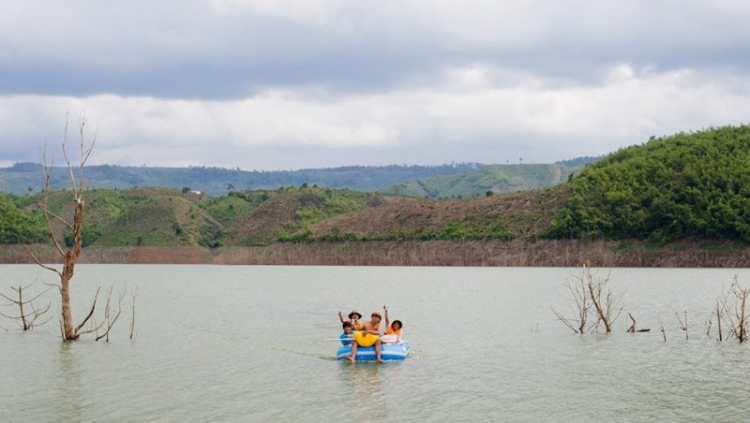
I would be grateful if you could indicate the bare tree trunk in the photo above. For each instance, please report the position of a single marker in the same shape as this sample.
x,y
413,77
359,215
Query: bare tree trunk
x,y
663,332
132,317
734,309
718,320
71,258
607,306
586,292
579,306
70,332
108,319
742,316
683,324
596,299
633,328
26,319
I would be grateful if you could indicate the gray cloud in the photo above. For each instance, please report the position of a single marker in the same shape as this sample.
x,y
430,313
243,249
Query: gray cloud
x,y
233,49
304,83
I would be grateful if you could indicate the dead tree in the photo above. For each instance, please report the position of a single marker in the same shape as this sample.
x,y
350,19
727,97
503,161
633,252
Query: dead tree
x,y
132,316
735,310
663,332
70,331
740,310
605,302
718,320
578,303
683,323
25,318
590,293
109,320
632,328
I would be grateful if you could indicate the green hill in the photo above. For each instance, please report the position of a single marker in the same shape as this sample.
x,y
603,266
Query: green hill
x,y
139,216
171,217
493,179
686,186
682,187
18,226
22,178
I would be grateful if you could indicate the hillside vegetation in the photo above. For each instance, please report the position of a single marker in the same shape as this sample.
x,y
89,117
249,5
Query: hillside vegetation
x,y
686,186
503,217
19,226
263,217
24,177
487,179
171,217
139,216
462,180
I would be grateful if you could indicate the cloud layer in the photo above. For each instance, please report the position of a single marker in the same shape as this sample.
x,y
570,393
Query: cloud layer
x,y
279,84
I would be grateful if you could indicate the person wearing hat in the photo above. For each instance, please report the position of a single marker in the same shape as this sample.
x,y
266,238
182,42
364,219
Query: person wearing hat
x,y
367,336
392,328
354,317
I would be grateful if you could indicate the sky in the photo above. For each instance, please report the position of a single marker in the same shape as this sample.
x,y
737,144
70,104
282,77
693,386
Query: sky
x,y
291,84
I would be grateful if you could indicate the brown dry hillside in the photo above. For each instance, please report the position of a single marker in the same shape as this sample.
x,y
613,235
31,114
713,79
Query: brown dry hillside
x,y
295,210
523,214
262,224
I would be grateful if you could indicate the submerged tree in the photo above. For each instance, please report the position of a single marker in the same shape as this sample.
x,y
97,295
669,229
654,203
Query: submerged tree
x,y
605,301
578,303
732,307
590,294
26,318
70,331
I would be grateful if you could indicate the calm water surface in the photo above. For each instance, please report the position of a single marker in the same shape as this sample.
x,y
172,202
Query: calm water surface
x,y
248,344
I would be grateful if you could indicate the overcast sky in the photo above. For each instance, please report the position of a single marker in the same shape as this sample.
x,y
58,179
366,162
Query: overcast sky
x,y
289,84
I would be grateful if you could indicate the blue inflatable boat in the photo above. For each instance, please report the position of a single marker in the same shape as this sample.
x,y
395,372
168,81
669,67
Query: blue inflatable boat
x,y
387,352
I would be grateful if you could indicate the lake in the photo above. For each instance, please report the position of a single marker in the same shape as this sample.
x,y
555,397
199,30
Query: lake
x,y
248,343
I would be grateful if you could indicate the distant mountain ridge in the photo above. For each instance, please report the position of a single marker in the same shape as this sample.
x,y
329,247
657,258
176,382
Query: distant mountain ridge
x,y
486,180
22,178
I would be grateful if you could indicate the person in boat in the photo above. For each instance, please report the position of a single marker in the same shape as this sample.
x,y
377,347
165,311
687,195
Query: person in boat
x,y
354,317
392,328
347,335
368,336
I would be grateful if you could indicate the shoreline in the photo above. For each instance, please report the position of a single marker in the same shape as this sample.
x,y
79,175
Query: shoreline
x,y
470,253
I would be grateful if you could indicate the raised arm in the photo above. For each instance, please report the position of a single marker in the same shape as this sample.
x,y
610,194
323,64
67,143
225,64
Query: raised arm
x,y
341,316
387,320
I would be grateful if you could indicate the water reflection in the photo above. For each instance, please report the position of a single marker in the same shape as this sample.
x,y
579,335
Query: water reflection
x,y
69,378
365,387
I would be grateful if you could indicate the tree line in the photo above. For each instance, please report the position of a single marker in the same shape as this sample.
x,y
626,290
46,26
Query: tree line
x,y
685,186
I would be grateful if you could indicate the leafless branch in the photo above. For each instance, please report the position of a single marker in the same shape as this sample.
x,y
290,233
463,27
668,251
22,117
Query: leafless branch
x,y
91,313
663,332
26,320
586,293
683,323
605,302
718,320
132,317
632,328
108,316
42,265
568,322
45,204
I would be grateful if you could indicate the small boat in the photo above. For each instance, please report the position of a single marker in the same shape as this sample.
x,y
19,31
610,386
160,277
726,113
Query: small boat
x,y
387,352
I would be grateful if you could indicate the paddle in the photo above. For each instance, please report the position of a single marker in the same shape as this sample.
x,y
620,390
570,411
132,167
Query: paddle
x,y
383,338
